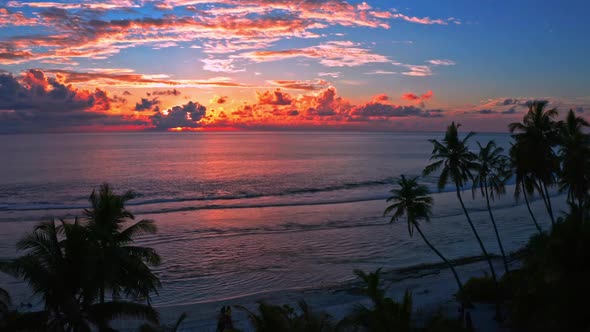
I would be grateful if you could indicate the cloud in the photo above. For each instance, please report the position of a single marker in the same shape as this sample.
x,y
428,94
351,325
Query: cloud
x,y
509,111
381,97
276,97
133,80
412,19
78,29
329,54
416,70
36,102
441,62
334,74
183,116
486,111
10,18
507,101
381,72
419,99
300,84
380,110
146,104
172,92
219,100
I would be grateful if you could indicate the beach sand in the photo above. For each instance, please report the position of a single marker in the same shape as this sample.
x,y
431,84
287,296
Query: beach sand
x,y
432,288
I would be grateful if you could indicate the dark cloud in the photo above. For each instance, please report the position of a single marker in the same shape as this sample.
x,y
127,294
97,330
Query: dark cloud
x,y
172,92
36,102
374,109
508,101
146,104
126,93
185,116
486,111
509,111
580,110
220,99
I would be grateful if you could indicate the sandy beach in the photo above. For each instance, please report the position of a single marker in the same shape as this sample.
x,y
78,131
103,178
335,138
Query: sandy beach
x,y
432,289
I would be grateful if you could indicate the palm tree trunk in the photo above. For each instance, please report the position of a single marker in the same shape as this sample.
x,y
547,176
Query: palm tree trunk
x,y
483,248
541,188
459,284
528,205
495,228
549,207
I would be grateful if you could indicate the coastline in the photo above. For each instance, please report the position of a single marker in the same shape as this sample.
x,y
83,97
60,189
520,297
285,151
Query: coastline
x,y
432,287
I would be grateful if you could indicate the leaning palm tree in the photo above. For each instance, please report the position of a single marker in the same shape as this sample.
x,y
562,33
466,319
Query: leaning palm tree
x,y
58,266
491,175
122,267
524,183
456,162
414,201
537,134
574,153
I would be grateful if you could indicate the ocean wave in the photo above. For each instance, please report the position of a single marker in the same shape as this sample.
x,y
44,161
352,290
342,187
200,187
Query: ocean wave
x,y
24,206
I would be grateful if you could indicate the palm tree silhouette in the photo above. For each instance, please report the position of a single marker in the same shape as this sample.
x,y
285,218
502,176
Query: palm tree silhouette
x,y
272,318
536,136
457,162
490,177
122,267
414,201
524,183
58,265
574,154
384,314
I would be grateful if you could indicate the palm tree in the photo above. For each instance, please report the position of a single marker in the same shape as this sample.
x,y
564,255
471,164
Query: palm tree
x,y
574,153
538,135
58,265
384,314
122,267
414,201
491,175
524,183
457,162
272,318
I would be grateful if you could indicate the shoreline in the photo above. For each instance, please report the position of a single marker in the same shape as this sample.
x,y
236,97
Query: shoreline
x,y
432,287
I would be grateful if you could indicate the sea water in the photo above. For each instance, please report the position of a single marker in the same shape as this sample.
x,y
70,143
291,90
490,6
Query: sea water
x,y
242,213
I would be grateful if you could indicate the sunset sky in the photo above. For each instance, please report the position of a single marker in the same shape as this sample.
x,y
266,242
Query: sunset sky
x,y
276,64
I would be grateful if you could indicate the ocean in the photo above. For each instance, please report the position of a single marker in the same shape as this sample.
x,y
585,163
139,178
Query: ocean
x,y
242,213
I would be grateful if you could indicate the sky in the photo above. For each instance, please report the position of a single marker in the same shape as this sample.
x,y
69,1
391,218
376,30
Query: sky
x,y
179,65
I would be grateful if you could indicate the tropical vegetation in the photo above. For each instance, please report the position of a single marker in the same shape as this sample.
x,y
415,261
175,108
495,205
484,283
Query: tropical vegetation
x,y
71,265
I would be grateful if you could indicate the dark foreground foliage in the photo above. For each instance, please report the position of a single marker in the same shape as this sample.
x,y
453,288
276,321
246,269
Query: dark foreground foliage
x,y
551,291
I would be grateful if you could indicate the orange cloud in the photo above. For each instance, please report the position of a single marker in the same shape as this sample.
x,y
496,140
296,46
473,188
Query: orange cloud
x,y
221,28
330,54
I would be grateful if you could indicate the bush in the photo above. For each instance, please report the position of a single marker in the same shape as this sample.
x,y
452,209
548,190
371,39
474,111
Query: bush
x,y
481,289
551,291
